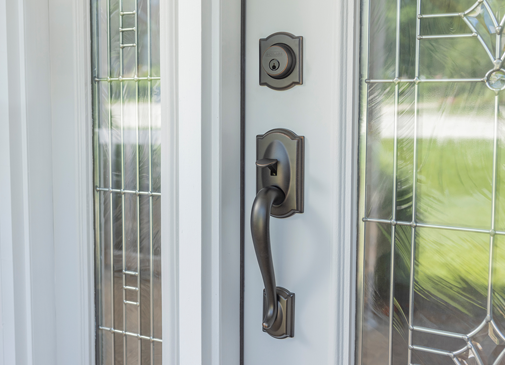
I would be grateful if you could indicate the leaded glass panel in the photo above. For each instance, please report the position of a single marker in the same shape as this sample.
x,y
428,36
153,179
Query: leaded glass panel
x,y
126,125
431,272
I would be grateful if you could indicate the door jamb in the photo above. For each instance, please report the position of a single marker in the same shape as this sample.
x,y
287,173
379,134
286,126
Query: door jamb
x,y
181,179
7,305
49,182
72,185
345,146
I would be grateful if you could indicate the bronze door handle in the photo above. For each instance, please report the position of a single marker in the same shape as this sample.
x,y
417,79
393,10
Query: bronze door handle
x,y
260,229
279,186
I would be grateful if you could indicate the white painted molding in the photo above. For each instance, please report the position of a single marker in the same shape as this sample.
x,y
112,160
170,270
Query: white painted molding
x,y
169,183
18,175
181,178
345,172
226,318
7,305
47,163
189,120
212,39
84,178
72,161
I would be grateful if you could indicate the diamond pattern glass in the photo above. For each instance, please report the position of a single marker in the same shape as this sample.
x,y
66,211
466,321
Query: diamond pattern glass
x,y
431,272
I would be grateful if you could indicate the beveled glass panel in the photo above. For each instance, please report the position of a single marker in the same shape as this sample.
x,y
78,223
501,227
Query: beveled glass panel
x,y
381,145
451,280
452,58
125,38
377,274
432,203
455,154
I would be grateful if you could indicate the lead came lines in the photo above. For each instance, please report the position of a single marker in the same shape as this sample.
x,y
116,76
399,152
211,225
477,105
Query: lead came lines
x,y
395,179
364,93
125,191
497,60
151,251
123,232
414,192
111,217
139,342
363,190
97,166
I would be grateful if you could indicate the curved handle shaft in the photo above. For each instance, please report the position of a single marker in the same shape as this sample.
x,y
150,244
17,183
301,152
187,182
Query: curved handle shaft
x,y
260,228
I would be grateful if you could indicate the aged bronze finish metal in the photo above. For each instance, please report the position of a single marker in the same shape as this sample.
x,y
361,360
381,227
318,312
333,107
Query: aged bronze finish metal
x,y
281,61
284,325
270,163
280,160
287,149
260,229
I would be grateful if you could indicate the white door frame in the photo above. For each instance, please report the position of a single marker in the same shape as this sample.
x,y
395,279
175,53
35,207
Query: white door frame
x,y
46,239
181,181
345,174
7,323
46,227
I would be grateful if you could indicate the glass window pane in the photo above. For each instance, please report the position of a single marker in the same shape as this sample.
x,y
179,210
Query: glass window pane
x,y
125,38
431,175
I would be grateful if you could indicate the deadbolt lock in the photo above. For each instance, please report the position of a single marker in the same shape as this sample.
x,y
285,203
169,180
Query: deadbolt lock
x,y
281,61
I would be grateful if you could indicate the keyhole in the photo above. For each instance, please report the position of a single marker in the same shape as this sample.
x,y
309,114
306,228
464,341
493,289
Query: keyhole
x,y
274,64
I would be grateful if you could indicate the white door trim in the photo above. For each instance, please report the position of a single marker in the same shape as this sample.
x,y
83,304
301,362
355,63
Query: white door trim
x,y
7,304
200,112
181,179
345,174
47,177
21,89
72,166
52,185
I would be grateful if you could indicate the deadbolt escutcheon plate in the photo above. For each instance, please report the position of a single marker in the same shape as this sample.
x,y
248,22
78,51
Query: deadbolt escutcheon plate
x,y
287,148
281,61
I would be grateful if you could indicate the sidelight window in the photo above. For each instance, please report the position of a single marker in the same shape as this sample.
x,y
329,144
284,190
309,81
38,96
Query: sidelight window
x,y
126,115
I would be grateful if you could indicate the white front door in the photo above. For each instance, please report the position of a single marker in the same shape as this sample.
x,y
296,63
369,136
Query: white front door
x,y
312,251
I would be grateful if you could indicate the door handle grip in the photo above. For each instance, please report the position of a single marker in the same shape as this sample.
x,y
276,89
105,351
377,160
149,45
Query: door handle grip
x,y
260,228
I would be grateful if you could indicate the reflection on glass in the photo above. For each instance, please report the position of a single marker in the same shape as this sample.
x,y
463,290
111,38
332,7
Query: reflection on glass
x,y
127,150
432,206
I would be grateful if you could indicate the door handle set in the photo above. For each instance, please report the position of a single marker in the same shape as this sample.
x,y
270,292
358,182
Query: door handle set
x,y
279,186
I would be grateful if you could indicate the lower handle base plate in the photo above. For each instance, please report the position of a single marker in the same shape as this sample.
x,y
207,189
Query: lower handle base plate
x,y
284,325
